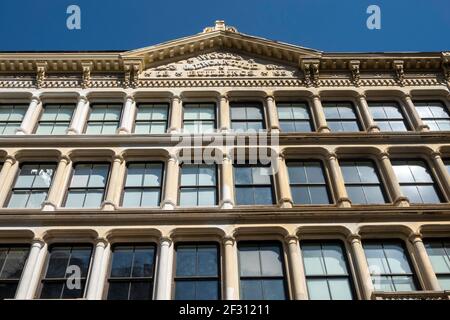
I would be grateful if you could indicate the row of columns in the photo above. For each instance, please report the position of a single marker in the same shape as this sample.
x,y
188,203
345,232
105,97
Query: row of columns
x,y
176,115
33,269
169,202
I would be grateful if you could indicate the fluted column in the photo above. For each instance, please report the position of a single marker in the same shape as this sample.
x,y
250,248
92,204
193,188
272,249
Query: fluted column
x,y
58,187
282,178
231,272
128,115
80,116
274,125
32,266
93,291
227,192
362,268
224,113
31,116
392,184
115,185
442,172
7,176
342,199
425,266
319,115
171,185
164,277
176,114
415,117
371,126
296,270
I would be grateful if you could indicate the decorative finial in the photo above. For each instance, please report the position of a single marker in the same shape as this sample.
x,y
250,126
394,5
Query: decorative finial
x,y
219,26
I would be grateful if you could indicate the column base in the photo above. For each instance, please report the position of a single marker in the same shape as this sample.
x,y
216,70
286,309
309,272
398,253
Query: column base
x,y
168,205
49,206
424,128
285,203
274,130
344,203
323,130
20,132
108,206
124,131
226,204
374,129
401,202
72,131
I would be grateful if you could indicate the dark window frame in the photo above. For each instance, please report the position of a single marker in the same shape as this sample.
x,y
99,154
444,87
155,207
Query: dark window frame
x,y
151,121
310,119
199,105
405,119
355,109
216,186
14,280
107,104
243,104
54,122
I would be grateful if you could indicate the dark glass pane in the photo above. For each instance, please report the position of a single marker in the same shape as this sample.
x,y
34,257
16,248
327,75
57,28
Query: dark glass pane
x,y
314,172
263,195
75,291
374,194
51,290
118,290
207,261
141,291
300,195
207,290
13,266
7,290
185,290
143,262
81,257
59,259
244,195
251,290
296,172
243,175
319,195
287,126
273,289
356,194
186,261
121,262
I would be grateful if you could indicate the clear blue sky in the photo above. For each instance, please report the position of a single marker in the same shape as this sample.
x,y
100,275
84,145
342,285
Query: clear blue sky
x,y
328,25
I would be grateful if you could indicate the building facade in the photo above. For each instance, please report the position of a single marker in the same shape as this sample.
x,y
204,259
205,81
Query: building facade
x,y
100,201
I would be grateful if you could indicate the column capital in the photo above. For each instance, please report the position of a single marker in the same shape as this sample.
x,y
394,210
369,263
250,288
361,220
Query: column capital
x,y
383,155
291,239
64,158
354,237
175,98
83,98
11,159
407,96
436,155
270,97
224,96
118,158
229,240
361,96
36,98
332,156
101,242
129,96
38,242
165,241
315,96
415,237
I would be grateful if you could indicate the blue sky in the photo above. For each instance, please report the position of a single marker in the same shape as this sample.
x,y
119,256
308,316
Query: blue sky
x,y
328,25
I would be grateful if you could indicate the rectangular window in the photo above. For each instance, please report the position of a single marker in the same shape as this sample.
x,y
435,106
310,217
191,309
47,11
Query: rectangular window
x,y
362,182
439,253
197,272
104,119
388,116
151,118
199,117
198,186
132,272
341,117
308,183
416,181
55,119
261,271
389,266
435,114
326,271
253,185
247,116
11,116
294,117
143,185
88,184
12,262
31,186
63,262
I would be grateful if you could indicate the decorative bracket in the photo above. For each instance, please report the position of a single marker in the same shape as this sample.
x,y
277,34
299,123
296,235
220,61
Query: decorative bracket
x,y
446,66
310,68
399,71
132,69
86,78
41,68
354,69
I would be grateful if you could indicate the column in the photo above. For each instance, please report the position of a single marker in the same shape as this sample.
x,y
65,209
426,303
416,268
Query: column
x,y
36,273
25,289
391,181
58,187
7,176
231,270
227,187
342,199
128,115
171,186
114,186
362,269
415,117
272,113
92,292
31,116
224,113
80,116
296,269
164,278
371,126
442,172
425,266
282,178
176,115
319,115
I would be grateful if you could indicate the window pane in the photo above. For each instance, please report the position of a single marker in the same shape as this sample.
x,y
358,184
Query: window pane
x,y
80,176
251,290
141,290
13,263
438,257
75,199
186,261
185,290
135,173
93,199
207,290
207,261
118,290
249,261
318,289
312,259
340,289
143,262
273,289
151,198
207,197
188,197
59,259
396,258
121,262
271,261
99,175
334,259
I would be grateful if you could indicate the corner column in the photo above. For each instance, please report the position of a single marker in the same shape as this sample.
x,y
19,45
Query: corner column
x,y
371,126
362,268
296,269
282,178
342,199
80,116
319,114
425,266
128,115
31,116
442,172
231,270
164,278
391,181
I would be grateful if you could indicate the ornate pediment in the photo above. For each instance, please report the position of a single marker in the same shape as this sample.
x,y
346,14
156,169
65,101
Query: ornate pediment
x,y
220,64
